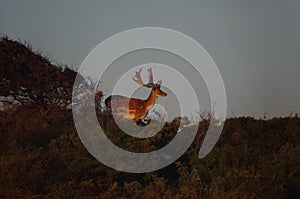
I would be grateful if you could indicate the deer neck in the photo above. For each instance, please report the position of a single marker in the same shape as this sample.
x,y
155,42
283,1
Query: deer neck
x,y
150,100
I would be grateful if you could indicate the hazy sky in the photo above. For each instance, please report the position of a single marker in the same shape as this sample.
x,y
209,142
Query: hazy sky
x,y
255,44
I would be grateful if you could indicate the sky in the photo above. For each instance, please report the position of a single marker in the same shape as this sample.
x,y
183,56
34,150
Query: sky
x,y
255,44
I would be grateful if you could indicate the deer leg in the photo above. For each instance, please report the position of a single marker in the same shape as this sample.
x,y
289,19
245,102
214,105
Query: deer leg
x,y
147,121
141,123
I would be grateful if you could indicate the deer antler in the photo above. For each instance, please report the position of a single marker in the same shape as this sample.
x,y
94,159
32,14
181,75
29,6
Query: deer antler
x,y
150,75
137,78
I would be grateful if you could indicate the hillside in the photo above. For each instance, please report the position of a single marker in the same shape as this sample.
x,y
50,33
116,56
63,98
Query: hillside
x,y
42,156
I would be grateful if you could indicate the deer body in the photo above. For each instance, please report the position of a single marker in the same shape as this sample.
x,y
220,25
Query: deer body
x,y
133,108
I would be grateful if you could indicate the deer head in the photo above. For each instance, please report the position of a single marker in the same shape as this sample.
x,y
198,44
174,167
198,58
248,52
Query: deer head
x,y
156,91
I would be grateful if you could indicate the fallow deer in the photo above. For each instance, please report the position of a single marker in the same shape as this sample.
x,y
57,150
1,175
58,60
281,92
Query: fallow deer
x,y
133,108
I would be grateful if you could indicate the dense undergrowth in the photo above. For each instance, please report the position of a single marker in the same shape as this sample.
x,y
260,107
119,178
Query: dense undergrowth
x,y
42,156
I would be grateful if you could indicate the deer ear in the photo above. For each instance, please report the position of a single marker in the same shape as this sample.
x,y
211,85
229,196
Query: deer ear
x,y
159,82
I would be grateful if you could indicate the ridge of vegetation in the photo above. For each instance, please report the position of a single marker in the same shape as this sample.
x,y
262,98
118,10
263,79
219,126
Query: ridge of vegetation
x,y
42,156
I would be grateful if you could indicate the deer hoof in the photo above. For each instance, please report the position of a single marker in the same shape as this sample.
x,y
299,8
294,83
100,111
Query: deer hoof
x,y
147,121
140,123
